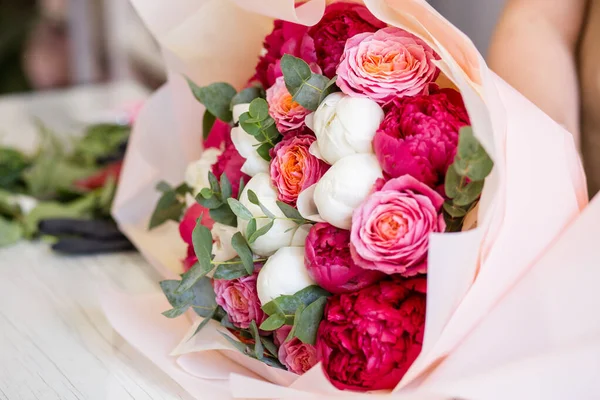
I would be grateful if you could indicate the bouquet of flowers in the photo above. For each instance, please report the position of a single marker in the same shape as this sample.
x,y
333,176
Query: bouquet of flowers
x,y
341,221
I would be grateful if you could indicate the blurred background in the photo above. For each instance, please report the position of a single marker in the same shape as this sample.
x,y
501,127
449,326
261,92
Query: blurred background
x,y
47,44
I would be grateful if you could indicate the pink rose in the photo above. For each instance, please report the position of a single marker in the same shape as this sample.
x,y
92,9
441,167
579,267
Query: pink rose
x,y
239,299
230,163
288,114
298,357
329,263
293,168
368,339
419,136
386,64
390,230
340,22
286,38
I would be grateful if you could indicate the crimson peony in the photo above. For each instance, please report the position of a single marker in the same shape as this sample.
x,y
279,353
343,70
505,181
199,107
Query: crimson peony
x,y
368,339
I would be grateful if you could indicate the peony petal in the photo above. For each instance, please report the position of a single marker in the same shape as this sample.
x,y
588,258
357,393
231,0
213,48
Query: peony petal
x,y
306,205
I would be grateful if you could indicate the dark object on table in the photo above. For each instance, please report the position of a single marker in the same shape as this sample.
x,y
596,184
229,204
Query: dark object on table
x,y
85,237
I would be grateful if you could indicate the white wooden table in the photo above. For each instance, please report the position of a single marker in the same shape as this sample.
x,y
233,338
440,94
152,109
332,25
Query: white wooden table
x,y
54,340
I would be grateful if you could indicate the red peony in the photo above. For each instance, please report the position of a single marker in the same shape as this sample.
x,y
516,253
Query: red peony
x,y
218,135
368,339
239,299
340,22
298,357
419,135
286,38
329,263
230,163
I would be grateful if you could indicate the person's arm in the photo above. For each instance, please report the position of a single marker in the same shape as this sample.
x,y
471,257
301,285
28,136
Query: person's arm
x,y
534,50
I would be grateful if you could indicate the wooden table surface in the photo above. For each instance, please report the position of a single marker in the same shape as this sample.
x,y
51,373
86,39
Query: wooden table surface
x,y
55,343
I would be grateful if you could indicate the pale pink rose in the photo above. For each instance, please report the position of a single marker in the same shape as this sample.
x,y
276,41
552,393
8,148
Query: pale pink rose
x,y
390,230
239,299
298,357
387,64
288,114
293,168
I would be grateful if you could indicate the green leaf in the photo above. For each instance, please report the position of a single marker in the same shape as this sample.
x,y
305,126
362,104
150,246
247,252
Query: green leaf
x,y
468,194
163,186
169,207
254,200
208,121
228,272
472,160
205,321
259,109
225,187
264,151
238,242
452,183
10,232
215,186
107,194
274,322
269,345
175,312
238,345
224,215
216,98
308,89
454,211
251,228
212,202
259,351
283,304
297,315
12,165
176,300
206,193
260,232
311,294
202,240
226,323
247,95
308,323
241,188
290,212
201,297
239,209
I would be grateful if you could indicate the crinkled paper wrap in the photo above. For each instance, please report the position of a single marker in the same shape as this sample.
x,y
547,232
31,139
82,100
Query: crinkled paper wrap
x,y
512,305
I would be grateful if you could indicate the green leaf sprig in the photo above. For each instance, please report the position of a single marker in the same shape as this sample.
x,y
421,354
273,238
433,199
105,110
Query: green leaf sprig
x,y
258,123
171,204
465,179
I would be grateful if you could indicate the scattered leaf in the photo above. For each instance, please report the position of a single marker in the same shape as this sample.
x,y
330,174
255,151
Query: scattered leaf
x,y
216,98
238,242
239,209
224,215
274,322
208,121
259,351
307,324
228,272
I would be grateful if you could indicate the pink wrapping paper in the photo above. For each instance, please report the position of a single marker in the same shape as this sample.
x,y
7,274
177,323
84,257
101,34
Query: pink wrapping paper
x,y
505,273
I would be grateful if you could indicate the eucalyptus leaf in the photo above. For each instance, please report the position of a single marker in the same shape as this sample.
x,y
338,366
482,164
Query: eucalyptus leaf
x,y
238,345
225,187
224,215
215,186
269,345
241,187
283,304
264,151
168,208
202,240
247,95
259,109
239,209
472,160
175,312
274,322
308,89
205,322
295,72
216,98
453,182
208,121
454,211
259,351
261,232
468,194
307,325
251,228
211,202
238,242
297,315
228,272
311,294
290,212
163,186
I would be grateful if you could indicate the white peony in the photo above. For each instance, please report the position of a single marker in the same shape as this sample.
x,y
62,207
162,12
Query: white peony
x,y
246,145
284,273
283,230
222,248
196,174
344,126
341,190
